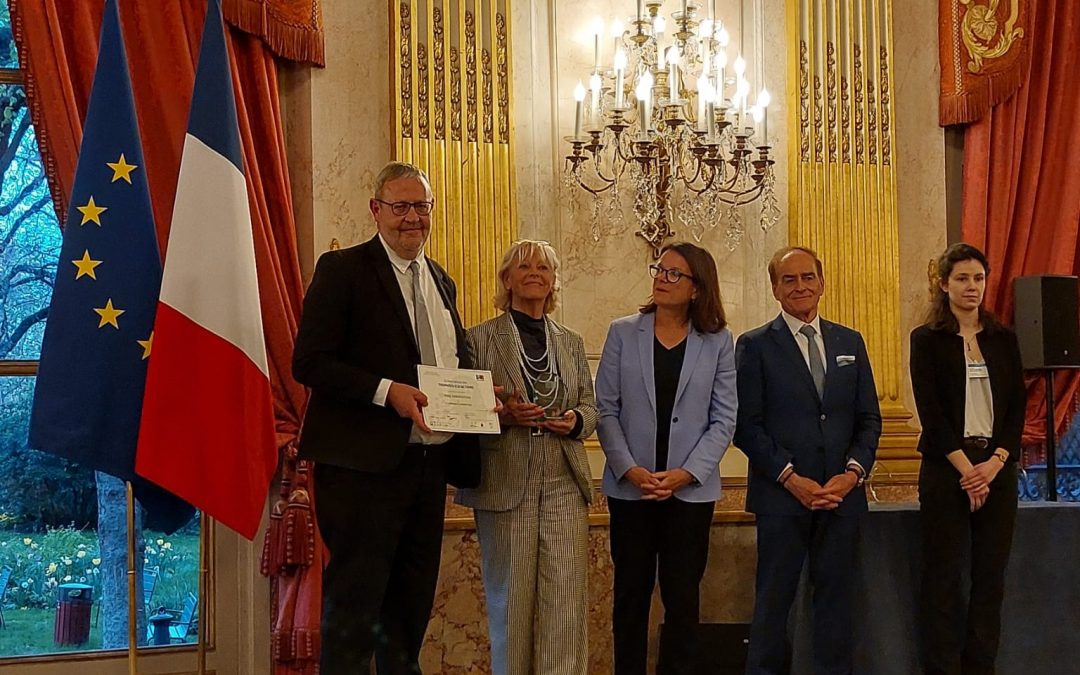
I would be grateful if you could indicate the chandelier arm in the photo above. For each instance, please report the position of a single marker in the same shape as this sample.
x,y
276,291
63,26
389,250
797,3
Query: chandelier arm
x,y
726,186
708,185
615,174
755,191
595,191
626,155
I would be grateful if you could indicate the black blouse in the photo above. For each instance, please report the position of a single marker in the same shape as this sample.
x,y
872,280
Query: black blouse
x,y
939,382
667,365
533,334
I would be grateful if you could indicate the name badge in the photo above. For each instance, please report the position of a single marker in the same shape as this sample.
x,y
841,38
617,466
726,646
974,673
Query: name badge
x,y
977,371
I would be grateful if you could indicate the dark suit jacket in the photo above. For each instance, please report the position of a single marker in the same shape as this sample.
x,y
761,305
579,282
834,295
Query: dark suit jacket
x,y
355,331
781,418
939,382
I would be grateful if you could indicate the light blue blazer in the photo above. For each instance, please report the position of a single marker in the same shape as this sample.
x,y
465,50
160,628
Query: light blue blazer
x,y
702,420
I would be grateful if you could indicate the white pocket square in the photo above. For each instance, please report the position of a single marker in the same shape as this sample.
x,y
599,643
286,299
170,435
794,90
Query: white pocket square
x,y
845,360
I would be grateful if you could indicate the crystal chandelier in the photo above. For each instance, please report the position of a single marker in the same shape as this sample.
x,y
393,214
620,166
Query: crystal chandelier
x,y
692,157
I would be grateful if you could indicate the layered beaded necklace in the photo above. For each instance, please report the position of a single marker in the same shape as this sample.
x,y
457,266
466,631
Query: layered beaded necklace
x,y
540,372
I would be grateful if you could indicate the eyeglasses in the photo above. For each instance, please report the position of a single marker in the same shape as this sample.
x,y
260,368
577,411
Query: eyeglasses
x,y
671,276
401,208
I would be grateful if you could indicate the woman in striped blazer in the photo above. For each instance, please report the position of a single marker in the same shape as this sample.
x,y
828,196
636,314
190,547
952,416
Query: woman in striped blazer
x,y
531,506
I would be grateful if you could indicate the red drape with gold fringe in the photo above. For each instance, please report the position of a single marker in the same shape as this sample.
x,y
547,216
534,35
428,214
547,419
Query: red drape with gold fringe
x,y
1022,183
58,41
983,50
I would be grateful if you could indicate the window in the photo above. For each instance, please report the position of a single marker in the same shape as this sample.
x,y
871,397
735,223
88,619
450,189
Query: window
x,y
63,582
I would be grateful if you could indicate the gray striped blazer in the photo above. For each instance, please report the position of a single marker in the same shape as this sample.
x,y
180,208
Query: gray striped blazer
x,y
505,458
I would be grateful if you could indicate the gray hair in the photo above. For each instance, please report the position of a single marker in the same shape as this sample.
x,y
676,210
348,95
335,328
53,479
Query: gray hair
x,y
397,170
524,250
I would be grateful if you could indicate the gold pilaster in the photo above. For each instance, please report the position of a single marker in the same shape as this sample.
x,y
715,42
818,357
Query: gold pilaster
x,y
843,201
451,66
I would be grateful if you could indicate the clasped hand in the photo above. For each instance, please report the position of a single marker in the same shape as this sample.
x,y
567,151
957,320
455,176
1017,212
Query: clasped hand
x,y
658,485
818,497
976,482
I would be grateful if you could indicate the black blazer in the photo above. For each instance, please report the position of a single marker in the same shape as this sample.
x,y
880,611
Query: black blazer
x,y
939,382
782,419
355,331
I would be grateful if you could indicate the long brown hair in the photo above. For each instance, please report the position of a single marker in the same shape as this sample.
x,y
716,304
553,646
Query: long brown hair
x,y
707,309
939,315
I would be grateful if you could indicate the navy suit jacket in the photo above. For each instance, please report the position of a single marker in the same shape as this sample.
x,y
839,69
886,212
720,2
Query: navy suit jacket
x,y
782,419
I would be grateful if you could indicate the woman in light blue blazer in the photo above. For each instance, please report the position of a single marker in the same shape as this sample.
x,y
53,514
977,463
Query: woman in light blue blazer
x,y
665,391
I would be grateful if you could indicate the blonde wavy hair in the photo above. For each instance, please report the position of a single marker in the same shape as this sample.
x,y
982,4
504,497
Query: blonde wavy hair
x,y
524,250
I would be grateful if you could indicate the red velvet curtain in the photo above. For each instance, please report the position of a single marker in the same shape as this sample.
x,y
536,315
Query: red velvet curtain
x,y
58,42
1022,182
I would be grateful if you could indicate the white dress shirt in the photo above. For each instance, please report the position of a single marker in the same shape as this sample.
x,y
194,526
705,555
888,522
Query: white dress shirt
x,y
795,325
442,329
979,401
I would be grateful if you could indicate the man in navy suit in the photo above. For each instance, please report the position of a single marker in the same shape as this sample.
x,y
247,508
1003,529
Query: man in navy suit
x,y
809,423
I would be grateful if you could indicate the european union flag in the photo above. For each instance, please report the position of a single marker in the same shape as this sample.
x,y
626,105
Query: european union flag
x,y
89,392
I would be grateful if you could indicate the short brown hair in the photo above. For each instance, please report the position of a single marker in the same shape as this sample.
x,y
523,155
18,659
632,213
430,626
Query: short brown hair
x,y
707,310
396,170
783,253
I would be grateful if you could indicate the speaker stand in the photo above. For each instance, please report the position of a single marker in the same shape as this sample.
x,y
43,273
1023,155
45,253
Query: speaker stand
x,y
1051,446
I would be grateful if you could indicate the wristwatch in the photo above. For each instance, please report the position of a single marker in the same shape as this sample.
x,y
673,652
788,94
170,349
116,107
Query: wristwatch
x,y
858,474
1002,454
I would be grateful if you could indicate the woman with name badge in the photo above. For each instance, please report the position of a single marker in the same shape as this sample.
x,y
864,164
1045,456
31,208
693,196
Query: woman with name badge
x,y
968,383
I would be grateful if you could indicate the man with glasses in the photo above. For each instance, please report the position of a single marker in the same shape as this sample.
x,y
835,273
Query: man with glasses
x,y
809,423
374,312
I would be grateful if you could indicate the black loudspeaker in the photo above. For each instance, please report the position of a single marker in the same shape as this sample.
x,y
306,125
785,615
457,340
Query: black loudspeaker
x,y
721,648
1046,321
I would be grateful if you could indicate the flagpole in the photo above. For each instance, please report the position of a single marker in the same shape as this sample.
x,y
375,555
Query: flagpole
x,y
133,642
204,577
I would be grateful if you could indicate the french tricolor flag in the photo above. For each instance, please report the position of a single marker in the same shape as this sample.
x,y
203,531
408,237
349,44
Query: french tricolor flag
x,y
207,429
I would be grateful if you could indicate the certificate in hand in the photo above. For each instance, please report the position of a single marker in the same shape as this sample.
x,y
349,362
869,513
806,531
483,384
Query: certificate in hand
x,y
459,401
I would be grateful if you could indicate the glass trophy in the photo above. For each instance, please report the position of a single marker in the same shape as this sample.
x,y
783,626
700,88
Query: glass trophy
x,y
549,393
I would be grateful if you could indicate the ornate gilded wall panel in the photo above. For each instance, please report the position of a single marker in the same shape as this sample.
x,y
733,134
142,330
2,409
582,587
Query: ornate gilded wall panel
x,y
452,82
843,197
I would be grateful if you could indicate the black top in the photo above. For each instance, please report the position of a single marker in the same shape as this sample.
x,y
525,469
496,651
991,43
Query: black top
x,y
667,365
939,383
534,338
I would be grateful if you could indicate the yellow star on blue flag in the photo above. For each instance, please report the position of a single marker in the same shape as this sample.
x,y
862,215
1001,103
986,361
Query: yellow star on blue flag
x,y
89,391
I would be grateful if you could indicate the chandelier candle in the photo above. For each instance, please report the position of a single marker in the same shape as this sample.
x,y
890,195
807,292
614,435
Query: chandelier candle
x,y
644,96
673,75
595,83
620,69
763,101
579,96
598,26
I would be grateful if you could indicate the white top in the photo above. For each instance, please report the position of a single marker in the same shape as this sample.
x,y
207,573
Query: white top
x,y
442,328
795,325
979,401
